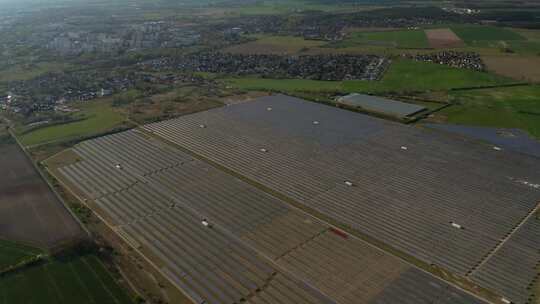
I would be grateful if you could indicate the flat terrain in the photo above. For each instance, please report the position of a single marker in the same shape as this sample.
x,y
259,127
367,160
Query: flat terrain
x,y
217,196
397,39
32,70
166,105
443,38
403,76
522,68
12,253
278,45
529,47
99,116
513,107
473,34
156,202
407,183
288,6
76,280
410,76
29,211
509,268
512,139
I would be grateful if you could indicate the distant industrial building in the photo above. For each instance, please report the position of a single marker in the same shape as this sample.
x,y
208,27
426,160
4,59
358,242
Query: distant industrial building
x,y
380,105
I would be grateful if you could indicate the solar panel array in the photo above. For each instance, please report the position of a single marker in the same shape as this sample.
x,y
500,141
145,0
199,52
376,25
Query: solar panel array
x,y
445,200
257,250
414,286
515,266
381,105
210,264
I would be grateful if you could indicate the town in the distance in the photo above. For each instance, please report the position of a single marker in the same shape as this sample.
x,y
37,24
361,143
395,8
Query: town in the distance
x,y
269,152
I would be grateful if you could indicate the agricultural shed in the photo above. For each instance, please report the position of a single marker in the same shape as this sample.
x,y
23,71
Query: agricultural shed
x,y
380,105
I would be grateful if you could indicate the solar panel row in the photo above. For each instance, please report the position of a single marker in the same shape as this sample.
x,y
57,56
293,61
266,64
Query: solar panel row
x,y
513,268
445,200
210,264
257,248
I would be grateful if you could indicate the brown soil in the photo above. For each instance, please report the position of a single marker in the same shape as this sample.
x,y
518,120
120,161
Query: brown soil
x,y
242,98
276,46
167,106
29,211
371,29
524,68
443,39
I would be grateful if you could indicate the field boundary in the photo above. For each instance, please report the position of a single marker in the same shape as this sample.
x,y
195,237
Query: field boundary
x,y
77,139
23,243
507,85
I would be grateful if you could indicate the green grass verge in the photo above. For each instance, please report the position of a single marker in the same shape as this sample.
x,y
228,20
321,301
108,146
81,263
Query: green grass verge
x,y
473,33
399,39
78,280
100,117
12,253
512,107
403,76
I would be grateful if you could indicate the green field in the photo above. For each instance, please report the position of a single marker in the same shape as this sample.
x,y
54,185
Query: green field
x,y
404,76
290,6
79,280
525,47
22,72
284,85
409,76
100,117
398,39
514,107
268,44
12,254
476,33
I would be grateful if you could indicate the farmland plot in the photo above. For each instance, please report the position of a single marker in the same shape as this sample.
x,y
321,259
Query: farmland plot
x,y
443,39
29,211
81,280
